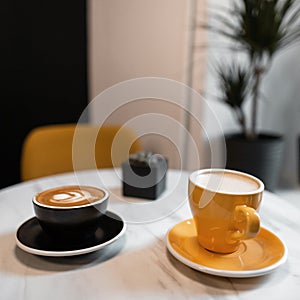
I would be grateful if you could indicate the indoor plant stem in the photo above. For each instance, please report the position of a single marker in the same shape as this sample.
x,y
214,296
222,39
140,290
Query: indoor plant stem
x,y
241,119
258,72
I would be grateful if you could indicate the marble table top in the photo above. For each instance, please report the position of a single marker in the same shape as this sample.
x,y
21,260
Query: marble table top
x,y
138,265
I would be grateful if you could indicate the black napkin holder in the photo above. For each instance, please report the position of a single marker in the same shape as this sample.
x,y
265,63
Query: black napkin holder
x,y
144,175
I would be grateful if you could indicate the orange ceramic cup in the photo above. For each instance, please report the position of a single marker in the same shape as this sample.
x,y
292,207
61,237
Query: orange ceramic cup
x,y
224,204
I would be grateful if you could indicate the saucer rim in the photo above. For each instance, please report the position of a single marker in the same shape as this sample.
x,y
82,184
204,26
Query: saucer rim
x,y
224,272
69,252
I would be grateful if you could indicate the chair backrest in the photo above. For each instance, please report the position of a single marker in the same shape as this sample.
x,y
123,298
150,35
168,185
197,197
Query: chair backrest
x,y
60,148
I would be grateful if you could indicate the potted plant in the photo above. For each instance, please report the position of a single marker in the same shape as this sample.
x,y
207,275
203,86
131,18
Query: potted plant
x,y
260,29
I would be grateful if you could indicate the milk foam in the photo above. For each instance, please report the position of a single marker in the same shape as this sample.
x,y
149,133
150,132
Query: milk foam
x,y
227,182
69,196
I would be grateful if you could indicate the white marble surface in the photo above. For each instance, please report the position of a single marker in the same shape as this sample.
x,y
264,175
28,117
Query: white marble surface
x,y
138,266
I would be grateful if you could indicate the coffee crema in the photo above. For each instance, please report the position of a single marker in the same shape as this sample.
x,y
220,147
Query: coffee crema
x,y
227,182
67,196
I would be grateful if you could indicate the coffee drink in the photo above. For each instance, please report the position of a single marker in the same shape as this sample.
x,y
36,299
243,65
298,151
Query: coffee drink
x,y
68,196
225,205
70,213
226,182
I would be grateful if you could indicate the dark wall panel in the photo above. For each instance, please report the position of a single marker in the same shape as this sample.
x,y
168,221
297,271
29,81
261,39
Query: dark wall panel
x,y
43,71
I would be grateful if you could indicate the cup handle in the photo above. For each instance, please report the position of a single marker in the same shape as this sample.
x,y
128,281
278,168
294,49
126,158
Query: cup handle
x,y
246,222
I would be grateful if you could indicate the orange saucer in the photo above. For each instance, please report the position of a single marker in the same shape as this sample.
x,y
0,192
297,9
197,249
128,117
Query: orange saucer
x,y
255,257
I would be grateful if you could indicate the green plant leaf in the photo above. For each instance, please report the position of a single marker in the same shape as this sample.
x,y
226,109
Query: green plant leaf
x,y
260,26
292,20
234,82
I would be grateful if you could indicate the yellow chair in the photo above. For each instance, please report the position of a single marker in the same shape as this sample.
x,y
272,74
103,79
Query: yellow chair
x,y
60,148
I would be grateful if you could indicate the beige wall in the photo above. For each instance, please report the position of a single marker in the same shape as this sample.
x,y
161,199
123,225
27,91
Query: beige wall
x,y
140,38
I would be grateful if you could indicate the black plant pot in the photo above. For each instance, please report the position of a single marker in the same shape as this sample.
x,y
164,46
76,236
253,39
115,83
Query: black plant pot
x,y
261,157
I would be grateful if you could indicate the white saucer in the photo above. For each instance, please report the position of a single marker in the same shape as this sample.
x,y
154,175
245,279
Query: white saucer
x,y
255,257
31,238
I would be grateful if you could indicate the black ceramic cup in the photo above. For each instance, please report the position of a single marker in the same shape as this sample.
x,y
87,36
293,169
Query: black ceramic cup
x,y
72,213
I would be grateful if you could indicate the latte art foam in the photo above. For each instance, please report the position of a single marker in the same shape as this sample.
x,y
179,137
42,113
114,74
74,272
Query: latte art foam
x,y
70,196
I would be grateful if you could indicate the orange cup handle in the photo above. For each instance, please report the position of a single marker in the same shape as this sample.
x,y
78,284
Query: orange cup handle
x,y
246,222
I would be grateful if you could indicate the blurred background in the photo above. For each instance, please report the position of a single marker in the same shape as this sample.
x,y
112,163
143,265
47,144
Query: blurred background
x,y
57,56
